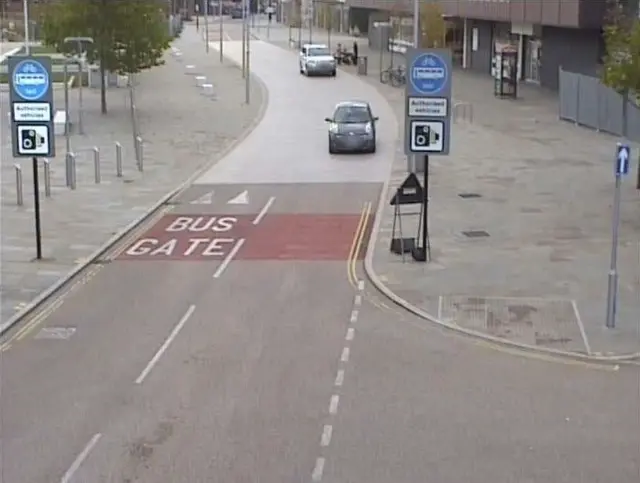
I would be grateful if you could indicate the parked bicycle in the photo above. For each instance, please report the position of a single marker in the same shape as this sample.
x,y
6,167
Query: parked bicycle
x,y
396,76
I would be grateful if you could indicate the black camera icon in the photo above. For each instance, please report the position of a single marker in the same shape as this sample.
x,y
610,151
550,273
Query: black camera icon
x,y
30,139
425,136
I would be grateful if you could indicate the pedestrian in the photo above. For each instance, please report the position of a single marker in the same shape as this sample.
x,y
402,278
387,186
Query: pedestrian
x,y
355,53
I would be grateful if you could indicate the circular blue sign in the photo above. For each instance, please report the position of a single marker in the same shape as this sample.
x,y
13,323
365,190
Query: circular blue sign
x,y
428,74
31,80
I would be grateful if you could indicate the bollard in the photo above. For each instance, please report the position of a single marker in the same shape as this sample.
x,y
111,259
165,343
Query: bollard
x,y
139,154
118,160
72,171
19,194
207,90
96,164
200,79
46,167
190,69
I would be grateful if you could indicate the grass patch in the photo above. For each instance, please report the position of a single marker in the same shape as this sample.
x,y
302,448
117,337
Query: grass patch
x,y
39,50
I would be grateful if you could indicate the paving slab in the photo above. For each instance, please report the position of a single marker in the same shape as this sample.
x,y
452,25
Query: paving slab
x,y
542,189
182,131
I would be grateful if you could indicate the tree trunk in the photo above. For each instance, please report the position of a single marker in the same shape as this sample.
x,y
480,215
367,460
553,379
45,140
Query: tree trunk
x,y
103,85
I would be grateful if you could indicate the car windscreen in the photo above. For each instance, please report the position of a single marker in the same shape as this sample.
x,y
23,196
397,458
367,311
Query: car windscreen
x,y
351,114
317,51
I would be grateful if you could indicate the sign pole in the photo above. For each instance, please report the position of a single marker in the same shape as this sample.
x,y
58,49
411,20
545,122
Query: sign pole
x,y
206,25
244,37
36,207
25,13
221,33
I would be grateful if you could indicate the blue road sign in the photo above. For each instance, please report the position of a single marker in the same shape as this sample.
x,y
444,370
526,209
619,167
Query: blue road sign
x,y
428,74
623,155
31,80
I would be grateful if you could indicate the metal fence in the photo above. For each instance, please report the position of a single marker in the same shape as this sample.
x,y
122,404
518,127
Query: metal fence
x,y
586,101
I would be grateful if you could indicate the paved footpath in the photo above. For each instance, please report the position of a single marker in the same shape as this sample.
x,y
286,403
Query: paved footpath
x,y
541,192
182,131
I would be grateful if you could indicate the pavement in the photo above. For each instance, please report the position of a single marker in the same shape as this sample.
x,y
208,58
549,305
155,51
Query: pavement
x,y
540,193
182,131
234,337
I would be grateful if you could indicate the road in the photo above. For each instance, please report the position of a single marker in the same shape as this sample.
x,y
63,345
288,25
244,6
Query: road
x,y
234,339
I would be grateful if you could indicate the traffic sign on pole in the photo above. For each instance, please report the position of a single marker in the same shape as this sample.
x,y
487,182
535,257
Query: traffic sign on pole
x,y
31,98
623,155
428,101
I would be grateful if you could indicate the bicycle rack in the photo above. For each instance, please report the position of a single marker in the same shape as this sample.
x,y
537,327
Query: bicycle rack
x,y
463,112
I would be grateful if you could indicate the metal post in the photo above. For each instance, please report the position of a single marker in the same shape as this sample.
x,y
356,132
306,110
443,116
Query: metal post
x,y
247,78
118,160
309,15
139,154
25,12
67,120
46,168
412,161
612,287
221,32
206,25
19,193
72,171
96,164
80,82
36,207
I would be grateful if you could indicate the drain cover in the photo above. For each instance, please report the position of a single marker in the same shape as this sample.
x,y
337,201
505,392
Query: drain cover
x,y
475,233
469,195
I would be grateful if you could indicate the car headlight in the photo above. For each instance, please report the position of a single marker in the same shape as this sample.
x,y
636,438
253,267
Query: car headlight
x,y
368,128
333,128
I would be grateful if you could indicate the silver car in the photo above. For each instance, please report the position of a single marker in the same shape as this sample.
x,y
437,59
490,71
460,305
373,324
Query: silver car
x,y
352,128
316,59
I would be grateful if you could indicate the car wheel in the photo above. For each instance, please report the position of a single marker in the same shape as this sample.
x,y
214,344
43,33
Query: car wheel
x,y
333,74
332,149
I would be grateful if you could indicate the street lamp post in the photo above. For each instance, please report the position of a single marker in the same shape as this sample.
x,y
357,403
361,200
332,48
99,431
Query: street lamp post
x,y
25,12
80,42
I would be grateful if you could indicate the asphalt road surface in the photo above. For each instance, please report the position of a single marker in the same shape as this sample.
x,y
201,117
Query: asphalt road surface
x,y
234,339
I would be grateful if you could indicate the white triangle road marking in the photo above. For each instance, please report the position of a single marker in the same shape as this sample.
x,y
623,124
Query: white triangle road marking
x,y
241,199
205,199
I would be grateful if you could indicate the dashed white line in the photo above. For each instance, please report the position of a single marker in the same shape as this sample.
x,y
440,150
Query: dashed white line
x,y
229,258
174,333
327,431
264,210
354,316
318,470
75,466
339,378
345,355
333,404
361,285
358,300
350,333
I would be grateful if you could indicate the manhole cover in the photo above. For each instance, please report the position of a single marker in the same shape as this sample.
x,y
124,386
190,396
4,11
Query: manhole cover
x,y
469,195
57,333
475,234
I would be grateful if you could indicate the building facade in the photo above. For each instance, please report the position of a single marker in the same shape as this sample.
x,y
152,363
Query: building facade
x,y
547,34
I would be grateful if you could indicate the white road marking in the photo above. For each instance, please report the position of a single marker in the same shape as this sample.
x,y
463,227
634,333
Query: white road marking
x,y
318,470
350,333
345,355
583,333
264,210
354,316
205,199
229,258
358,300
327,431
339,377
174,333
361,285
241,199
333,404
75,466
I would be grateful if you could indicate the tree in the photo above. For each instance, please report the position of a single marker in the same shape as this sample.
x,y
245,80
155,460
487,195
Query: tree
x,y
433,27
622,60
129,35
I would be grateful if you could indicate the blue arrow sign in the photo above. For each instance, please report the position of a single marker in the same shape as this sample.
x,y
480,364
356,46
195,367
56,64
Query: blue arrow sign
x,y
623,154
428,74
31,80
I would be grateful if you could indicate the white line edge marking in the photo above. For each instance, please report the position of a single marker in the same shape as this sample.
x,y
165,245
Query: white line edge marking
x,y
354,316
327,431
229,258
264,210
174,333
339,378
350,333
345,355
361,285
80,458
583,333
358,300
333,404
318,470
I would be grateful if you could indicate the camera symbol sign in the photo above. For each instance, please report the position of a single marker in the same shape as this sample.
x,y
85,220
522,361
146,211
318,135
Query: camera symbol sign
x,y
33,140
427,136
31,80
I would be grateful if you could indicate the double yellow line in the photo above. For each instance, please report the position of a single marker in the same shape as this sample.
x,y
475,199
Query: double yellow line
x,y
356,244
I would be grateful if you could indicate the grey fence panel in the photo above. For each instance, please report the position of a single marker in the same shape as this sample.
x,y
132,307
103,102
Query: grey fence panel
x,y
633,122
588,102
568,99
610,119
